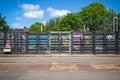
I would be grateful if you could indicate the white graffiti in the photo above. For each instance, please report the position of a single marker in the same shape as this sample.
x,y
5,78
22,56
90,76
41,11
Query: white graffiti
x,y
65,37
99,48
110,37
21,36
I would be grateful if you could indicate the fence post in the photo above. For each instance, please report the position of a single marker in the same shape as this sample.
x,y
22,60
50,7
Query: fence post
x,y
105,43
48,41
82,43
93,39
26,42
37,42
116,43
60,42
71,42
15,42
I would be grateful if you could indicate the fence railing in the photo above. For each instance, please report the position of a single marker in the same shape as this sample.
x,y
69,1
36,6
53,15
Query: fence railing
x,y
61,42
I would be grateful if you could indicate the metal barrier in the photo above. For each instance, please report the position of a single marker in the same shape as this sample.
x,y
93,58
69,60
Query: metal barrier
x,y
61,42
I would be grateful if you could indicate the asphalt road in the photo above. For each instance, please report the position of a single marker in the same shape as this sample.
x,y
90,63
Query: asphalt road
x,y
60,76
60,68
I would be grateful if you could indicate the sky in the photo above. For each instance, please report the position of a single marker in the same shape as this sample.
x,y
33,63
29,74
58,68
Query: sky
x,y
20,13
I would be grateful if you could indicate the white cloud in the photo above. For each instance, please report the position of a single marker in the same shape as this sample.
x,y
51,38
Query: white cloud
x,y
34,14
17,25
30,7
18,18
56,12
32,11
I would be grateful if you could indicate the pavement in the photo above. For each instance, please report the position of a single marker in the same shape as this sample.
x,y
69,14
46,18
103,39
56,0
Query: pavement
x,y
59,58
59,55
59,67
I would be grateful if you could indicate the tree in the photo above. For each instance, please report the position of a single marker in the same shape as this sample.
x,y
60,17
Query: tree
x,y
111,13
52,24
93,15
70,22
36,27
3,24
118,21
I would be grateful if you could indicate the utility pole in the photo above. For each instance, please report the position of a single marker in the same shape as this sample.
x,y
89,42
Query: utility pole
x,y
115,24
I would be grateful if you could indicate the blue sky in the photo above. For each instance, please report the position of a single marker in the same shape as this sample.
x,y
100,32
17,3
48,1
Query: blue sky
x,y
20,13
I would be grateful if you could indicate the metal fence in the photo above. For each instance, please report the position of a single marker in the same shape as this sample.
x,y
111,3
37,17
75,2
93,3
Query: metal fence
x,y
61,42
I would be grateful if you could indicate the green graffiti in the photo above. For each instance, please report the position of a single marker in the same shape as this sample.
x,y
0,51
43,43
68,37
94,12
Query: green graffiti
x,y
87,42
53,37
31,47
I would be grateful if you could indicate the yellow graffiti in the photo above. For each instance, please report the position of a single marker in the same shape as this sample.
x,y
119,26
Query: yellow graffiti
x,y
65,43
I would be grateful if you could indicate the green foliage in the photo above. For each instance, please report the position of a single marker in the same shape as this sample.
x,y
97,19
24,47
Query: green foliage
x,y
3,24
36,27
51,25
107,28
111,13
118,21
70,22
93,15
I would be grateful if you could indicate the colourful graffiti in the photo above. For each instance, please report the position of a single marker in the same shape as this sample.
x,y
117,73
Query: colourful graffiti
x,y
77,36
32,47
65,39
43,39
54,37
88,37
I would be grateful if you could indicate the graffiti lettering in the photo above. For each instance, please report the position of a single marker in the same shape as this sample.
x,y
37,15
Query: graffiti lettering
x,y
78,35
65,37
110,37
99,48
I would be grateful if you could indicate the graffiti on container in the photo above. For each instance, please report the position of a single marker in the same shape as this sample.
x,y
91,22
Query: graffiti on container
x,y
65,43
21,36
43,39
76,47
31,47
43,42
31,37
54,37
77,36
99,47
88,42
10,36
88,37
65,39
32,41
110,37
